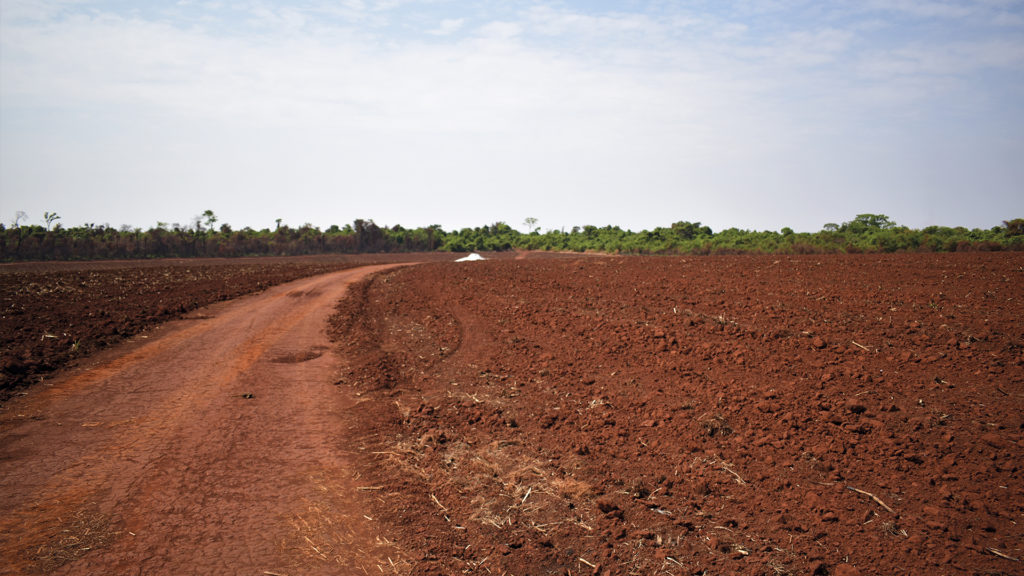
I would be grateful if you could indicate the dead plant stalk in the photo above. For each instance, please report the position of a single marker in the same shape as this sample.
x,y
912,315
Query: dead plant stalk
x,y
873,497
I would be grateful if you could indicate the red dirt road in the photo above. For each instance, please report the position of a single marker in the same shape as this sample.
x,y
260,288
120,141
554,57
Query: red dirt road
x,y
211,445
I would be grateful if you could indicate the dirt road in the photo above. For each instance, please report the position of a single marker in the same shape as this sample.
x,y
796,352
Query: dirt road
x,y
212,445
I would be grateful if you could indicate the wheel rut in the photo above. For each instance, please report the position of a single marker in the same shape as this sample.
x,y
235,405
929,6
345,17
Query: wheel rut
x,y
213,447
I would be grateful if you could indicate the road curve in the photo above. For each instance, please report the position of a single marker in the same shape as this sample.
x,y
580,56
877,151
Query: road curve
x,y
212,445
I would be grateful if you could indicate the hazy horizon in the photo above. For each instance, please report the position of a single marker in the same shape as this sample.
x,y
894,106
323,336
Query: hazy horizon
x,y
200,220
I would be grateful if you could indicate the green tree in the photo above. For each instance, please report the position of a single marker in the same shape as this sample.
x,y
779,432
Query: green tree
x,y
690,230
1014,227
50,218
869,221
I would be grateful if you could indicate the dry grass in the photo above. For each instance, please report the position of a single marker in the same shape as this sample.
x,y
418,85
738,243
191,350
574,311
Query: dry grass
x,y
499,485
325,533
87,530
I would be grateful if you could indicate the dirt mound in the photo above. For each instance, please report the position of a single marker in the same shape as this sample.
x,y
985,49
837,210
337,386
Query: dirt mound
x,y
760,415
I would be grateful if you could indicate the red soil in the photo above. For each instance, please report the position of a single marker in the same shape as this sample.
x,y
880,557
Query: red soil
x,y
719,415
52,313
763,415
214,445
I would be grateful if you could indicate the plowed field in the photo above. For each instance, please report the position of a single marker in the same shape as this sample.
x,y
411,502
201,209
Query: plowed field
x,y
53,313
768,415
763,415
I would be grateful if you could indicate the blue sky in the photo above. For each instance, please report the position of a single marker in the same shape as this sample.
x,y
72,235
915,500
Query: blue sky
x,y
757,115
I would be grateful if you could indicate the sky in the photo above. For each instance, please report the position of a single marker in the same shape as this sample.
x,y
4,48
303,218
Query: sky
x,y
756,115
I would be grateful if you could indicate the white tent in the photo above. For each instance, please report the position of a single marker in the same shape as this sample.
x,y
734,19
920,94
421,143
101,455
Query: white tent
x,y
471,258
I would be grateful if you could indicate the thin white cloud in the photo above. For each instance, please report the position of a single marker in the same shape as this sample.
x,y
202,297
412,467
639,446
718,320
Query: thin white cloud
x,y
448,26
684,105
1008,20
926,8
950,60
501,30
550,21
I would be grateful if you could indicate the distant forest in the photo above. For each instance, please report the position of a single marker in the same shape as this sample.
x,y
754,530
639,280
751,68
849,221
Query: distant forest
x,y
869,233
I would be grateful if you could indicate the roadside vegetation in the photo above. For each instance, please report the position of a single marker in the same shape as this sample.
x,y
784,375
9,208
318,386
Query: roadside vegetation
x,y
872,233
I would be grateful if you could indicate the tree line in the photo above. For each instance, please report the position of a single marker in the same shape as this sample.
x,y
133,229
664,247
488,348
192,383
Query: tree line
x,y
203,238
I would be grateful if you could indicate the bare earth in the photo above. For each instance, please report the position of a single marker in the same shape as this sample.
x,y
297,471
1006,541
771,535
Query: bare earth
x,y
833,415
214,445
770,415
